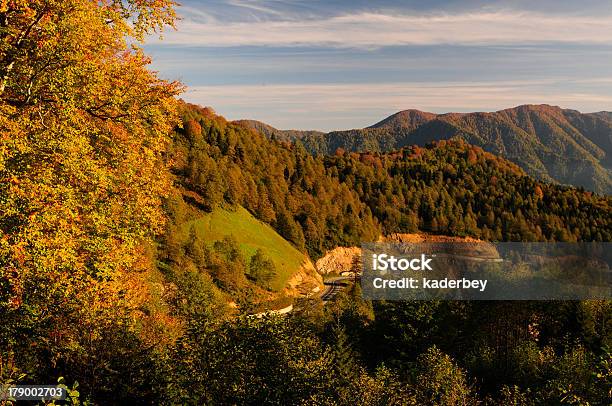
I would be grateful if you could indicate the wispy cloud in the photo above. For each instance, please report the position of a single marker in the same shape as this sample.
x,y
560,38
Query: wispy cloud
x,y
368,30
334,65
311,106
255,7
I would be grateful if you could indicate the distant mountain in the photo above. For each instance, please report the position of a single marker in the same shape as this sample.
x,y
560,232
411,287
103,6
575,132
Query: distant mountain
x,y
405,120
548,142
281,135
605,115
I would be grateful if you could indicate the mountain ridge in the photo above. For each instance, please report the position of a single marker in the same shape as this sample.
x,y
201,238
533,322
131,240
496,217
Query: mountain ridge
x,y
272,132
550,143
405,119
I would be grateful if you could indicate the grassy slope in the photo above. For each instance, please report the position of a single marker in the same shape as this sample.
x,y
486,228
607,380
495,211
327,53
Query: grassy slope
x,y
251,234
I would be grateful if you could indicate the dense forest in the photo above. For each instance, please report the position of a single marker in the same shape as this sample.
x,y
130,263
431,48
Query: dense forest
x,y
402,353
448,187
104,290
282,185
549,143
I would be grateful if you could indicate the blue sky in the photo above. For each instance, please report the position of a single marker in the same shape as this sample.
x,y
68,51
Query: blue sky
x,y
346,64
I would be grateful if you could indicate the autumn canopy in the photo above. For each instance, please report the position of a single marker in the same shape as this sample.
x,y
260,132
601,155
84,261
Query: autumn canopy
x,y
83,125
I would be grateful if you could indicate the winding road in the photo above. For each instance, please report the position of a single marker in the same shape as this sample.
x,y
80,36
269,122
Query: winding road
x,y
333,286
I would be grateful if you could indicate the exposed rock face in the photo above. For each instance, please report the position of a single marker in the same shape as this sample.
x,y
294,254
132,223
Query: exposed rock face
x,y
338,260
341,259
305,281
416,238
469,246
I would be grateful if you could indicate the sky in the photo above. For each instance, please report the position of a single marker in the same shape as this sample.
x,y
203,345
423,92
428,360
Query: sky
x,y
327,65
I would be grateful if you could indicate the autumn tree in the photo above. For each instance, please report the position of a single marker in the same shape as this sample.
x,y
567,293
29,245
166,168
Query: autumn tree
x,y
83,126
440,382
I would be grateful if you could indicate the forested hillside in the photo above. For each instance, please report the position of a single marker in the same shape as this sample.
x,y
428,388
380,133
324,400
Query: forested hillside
x,y
550,143
319,203
139,234
454,188
421,353
279,183
322,202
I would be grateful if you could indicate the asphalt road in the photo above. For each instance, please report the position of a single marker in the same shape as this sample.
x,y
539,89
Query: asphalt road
x,y
333,286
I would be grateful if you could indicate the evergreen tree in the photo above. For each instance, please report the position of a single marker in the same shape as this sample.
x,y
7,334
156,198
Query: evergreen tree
x,y
261,269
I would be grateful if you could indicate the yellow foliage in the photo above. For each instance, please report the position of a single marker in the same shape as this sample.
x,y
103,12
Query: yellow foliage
x,y
83,127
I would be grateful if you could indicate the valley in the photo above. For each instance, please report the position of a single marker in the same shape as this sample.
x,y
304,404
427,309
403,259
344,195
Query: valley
x,y
155,252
